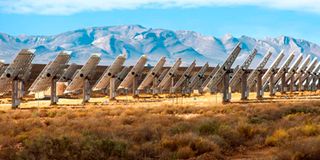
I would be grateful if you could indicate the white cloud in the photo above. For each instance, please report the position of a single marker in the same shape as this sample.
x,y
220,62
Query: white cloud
x,y
65,7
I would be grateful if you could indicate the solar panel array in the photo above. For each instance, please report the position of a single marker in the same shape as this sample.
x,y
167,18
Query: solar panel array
x,y
299,75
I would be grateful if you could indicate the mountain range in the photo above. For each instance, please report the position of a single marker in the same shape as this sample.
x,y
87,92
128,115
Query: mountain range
x,y
137,40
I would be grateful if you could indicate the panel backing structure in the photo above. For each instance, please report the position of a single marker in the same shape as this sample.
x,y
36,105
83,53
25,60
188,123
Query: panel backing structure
x,y
196,79
153,74
184,77
52,71
255,77
269,75
68,73
50,75
169,77
82,77
110,72
131,79
223,75
15,73
218,76
281,73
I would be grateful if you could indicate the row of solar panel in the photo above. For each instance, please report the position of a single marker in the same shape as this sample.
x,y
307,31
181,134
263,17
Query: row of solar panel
x,y
158,79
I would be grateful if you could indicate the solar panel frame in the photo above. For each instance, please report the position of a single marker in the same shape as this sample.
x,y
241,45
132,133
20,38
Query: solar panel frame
x,y
16,69
110,72
252,78
171,73
239,73
136,70
50,72
272,68
195,79
77,82
217,78
153,73
184,76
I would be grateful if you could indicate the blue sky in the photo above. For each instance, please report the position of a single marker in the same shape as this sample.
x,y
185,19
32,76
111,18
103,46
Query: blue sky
x,y
209,17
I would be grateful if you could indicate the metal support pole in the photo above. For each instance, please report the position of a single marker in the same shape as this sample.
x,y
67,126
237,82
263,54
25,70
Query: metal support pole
x,y
300,84
318,85
225,92
283,83
271,85
306,86
21,89
154,86
112,94
314,82
134,84
244,87
292,84
15,92
259,86
86,91
172,84
53,98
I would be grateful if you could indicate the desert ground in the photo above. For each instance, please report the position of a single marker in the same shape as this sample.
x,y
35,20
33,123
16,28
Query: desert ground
x,y
199,127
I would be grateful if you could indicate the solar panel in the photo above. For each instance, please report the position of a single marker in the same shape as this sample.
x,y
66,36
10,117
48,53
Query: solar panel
x,y
216,79
153,73
294,68
69,73
16,69
301,69
314,77
135,71
206,82
283,69
272,68
110,72
51,71
252,78
122,74
27,74
309,70
171,73
198,77
239,73
185,76
84,73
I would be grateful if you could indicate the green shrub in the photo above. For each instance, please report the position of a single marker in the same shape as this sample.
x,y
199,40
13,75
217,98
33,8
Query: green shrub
x,y
209,127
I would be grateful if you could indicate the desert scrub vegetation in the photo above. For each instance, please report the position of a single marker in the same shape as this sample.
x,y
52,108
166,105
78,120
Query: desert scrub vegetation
x,y
167,132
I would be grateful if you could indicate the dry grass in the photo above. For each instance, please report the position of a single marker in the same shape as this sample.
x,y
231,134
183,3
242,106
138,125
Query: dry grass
x,y
166,132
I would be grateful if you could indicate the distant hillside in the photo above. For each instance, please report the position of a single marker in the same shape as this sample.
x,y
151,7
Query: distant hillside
x,y
138,40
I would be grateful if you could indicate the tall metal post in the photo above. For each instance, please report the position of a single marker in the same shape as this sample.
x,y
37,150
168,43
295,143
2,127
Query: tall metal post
x,y
53,98
15,92
314,82
112,94
292,84
283,84
154,86
306,86
259,86
244,86
225,88
21,89
271,84
300,84
318,84
172,84
86,91
134,86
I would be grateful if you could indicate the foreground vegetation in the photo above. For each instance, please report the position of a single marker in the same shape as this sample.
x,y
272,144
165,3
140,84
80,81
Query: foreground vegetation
x,y
167,132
